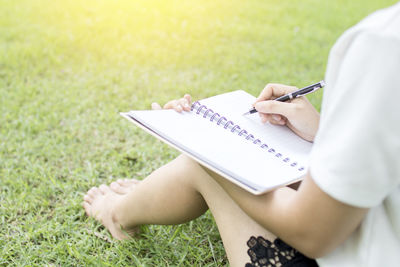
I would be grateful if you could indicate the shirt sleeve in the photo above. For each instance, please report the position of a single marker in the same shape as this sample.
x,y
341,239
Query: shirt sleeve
x,y
356,154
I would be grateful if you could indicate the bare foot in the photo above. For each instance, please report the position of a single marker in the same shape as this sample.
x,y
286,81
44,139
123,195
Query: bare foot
x,y
99,203
123,186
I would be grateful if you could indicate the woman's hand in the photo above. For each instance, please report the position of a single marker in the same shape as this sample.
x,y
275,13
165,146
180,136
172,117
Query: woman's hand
x,y
298,114
183,104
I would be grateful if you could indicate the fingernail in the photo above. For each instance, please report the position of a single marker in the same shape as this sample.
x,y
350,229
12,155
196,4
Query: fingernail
x,y
276,117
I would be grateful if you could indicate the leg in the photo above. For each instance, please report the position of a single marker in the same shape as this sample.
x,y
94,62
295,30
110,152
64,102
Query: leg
x,y
235,226
244,239
164,197
178,192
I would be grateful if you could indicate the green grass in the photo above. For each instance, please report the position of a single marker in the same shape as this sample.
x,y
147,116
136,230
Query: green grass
x,y
68,67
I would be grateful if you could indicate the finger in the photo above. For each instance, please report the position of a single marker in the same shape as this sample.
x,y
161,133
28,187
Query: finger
x,y
277,122
277,119
276,107
183,102
173,104
274,90
155,106
273,119
170,104
178,108
188,98
265,117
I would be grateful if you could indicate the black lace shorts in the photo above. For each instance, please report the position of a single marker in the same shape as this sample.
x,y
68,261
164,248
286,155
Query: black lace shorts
x,y
264,253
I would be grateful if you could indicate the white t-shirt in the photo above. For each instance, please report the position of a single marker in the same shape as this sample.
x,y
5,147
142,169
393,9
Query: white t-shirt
x,y
356,155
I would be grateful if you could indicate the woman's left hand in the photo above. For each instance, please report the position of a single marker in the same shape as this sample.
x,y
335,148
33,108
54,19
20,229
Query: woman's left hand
x,y
182,104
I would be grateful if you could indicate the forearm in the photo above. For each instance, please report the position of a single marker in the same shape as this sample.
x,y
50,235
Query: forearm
x,y
307,219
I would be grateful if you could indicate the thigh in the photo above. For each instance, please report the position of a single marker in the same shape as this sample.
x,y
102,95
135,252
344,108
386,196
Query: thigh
x,y
246,242
235,226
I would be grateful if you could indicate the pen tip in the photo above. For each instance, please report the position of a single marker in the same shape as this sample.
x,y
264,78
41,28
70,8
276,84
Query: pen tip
x,y
247,113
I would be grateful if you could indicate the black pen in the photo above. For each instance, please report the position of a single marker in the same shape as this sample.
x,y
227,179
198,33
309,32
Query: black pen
x,y
295,94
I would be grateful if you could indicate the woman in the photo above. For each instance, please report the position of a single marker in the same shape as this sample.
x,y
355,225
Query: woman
x,y
346,211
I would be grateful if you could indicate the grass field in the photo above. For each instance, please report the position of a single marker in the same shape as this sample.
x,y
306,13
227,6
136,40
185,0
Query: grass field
x,y
68,67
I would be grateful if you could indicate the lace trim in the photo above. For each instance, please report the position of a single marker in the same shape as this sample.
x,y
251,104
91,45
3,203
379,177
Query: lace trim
x,y
264,253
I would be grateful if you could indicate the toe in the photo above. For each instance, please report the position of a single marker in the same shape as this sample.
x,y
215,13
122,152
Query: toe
x,y
115,186
87,207
118,188
88,199
128,182
93,191
121,182
104,189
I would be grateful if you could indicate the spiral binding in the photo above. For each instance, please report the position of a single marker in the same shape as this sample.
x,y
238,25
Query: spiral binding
x,y
234,128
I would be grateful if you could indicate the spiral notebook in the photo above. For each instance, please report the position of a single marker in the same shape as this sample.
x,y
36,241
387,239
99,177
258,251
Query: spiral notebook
x,y
257,157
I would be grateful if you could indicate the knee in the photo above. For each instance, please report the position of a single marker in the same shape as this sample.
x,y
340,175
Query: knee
x,y
186,166
192,172
186,163
186,159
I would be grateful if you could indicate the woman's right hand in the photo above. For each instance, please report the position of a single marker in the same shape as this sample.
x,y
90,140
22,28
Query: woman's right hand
x,y
182,104
298,114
